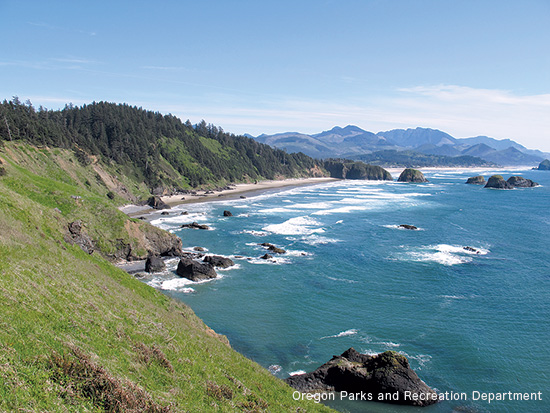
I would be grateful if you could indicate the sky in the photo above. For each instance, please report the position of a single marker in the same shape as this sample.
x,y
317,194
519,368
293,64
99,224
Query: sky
x,y
465,67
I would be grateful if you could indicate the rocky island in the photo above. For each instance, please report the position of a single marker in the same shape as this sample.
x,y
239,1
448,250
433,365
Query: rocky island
x,y
544,165
498,182
476,180
412,175
381,374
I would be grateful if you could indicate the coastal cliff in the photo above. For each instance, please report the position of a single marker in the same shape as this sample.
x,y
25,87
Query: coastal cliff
x,y
86,336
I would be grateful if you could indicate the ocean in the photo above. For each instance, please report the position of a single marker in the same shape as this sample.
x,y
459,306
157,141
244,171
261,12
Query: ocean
x,y
470,322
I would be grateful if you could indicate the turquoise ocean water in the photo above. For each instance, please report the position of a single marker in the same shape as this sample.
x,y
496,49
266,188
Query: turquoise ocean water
x,y
351,278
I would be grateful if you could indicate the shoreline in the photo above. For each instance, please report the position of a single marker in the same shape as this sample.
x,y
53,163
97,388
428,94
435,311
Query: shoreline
x,y
237,191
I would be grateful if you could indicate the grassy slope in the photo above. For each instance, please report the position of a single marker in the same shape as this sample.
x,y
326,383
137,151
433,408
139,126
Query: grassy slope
x,y
57,300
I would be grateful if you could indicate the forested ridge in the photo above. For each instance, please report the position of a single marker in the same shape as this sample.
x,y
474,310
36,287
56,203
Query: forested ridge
x,y
158,149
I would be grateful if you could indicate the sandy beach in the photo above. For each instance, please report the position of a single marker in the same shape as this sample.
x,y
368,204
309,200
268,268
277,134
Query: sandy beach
x,y
237,191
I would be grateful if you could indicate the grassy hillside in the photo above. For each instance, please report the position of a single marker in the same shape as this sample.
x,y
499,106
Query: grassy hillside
x,y
78,334
158,150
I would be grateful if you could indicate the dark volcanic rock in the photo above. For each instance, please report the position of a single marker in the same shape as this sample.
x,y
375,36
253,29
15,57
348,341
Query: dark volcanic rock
x,y
412,175
544,165
76,235
407,226
273,248
227,214
521,182
165,213
384,373
195,225
471,249
154,264
498,182
195,271
266,256
156,203
476,180
219,261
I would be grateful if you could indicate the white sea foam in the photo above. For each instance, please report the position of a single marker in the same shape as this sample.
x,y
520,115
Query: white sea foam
x,y
255,233
342,280
296,226
444,254
350,332
297,372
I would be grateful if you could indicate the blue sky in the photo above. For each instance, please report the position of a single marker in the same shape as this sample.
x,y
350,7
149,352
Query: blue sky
x,y
466,67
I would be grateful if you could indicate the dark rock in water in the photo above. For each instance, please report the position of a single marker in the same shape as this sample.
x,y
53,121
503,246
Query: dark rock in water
x,y
266,256
407,226
242,197
476,180
498,182
227,214
521,182
198,249
219,261
195,225
273,248
471,249
195,271
165,213
154,264
544,165
76,235
412,175
156,203
384,373
184,213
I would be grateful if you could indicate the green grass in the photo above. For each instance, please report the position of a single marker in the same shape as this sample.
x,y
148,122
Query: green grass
x,y
77,334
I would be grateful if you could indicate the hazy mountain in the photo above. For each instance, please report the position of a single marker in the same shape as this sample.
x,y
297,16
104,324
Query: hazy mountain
x,y
431,149
353,142
411,138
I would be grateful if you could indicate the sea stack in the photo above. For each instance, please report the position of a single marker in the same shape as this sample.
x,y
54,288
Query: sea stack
x,y
195,271
379,375
498,182
412,175
476,180
521,182
544,165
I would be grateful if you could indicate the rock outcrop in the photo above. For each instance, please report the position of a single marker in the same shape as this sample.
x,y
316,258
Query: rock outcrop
x,y
195,225
227,214
76,235
498,182
521,182
154,264
219,261
195,271
476,180
412,175
156,203
544,165
273,248
381,374
407,226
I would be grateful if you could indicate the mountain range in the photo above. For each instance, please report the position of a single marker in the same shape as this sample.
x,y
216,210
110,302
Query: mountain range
x,y
355,143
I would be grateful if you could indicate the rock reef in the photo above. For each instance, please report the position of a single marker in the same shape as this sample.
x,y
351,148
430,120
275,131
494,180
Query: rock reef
x,y
353,372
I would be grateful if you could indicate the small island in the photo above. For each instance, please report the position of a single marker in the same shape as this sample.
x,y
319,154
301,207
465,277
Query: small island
x,y
412,175
498,182
476,180
544,165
